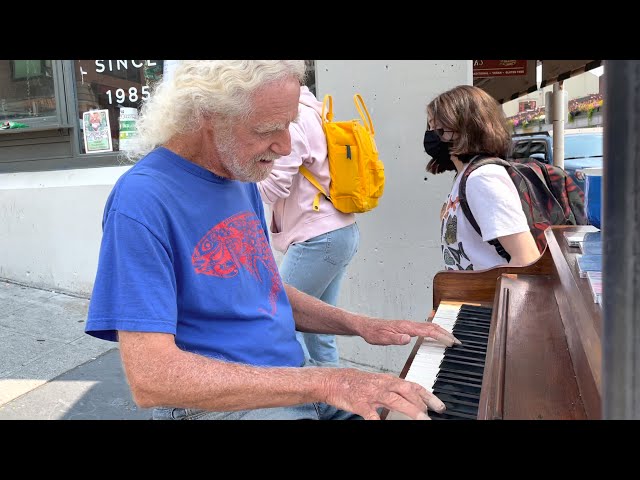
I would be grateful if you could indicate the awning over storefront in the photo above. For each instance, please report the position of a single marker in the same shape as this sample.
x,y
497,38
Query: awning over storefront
x,y
509,88
557,70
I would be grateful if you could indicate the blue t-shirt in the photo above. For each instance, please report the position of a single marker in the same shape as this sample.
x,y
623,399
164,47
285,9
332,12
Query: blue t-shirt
x,y
186,252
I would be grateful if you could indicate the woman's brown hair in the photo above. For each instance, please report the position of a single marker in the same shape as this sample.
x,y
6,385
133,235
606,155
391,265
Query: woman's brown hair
x,y
476,117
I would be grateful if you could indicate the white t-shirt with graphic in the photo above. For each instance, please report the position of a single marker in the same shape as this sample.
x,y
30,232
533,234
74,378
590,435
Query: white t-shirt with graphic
x,y
495,204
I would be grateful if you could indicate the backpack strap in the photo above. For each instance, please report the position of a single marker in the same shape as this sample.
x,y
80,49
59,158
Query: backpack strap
x,y
475,163
357,99
327,114
309,176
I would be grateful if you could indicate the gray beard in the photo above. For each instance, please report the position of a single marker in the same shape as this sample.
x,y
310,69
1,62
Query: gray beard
x,y
250,171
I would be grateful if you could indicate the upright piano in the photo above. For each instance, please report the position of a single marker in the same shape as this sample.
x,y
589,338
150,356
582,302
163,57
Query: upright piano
x,y
531,341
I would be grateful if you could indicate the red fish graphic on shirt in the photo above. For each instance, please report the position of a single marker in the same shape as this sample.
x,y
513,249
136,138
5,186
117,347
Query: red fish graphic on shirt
x,y
235,243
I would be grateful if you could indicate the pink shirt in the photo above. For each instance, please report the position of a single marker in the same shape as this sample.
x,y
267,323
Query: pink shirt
x,y
290,195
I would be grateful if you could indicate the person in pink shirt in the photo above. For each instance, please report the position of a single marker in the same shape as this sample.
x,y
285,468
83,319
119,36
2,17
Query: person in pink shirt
x,y
317,245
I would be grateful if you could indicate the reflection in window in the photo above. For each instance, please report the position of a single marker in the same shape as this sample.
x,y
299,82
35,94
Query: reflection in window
x,y
27,92
310,80
118,86
521,150
538,147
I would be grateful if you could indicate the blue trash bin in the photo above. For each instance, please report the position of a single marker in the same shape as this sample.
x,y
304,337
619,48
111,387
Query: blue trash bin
x,y
593,195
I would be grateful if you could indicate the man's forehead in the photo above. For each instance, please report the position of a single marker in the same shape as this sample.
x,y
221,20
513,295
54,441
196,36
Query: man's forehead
x,y
278,102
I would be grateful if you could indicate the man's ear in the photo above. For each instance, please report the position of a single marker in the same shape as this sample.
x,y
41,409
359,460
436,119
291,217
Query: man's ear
x,y
214,121
207,123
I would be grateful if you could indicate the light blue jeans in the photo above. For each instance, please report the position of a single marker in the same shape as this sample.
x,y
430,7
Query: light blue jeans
x,y
317,267
306,411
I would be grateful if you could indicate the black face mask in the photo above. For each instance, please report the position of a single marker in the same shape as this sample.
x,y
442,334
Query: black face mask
x,y
438,149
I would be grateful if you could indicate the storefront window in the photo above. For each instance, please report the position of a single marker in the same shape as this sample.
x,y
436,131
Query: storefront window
x,y
27,95
110,93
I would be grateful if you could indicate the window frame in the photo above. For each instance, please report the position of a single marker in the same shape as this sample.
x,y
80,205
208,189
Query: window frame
x,y
62,125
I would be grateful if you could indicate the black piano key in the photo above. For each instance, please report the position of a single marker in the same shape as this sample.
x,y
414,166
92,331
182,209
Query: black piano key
x,y
443,416
450,379
466,355
450,391
479,320
471,328
450,398
473,324
479,349
461,375
476,308
465,374
454,413
479,308
470,311
464,382
446,376
462,366
476,318
457,386
481,337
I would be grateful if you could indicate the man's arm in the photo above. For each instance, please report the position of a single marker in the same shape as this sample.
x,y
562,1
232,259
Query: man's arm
x,y
160,374
316,316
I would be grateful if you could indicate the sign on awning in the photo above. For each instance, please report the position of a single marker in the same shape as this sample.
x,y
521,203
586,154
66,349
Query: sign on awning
x,y
499,68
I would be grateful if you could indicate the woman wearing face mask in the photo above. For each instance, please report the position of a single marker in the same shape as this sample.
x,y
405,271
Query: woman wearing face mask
x,y
462,123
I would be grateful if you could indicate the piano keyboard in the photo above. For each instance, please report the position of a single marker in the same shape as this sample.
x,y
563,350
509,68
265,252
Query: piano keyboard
x,y
454,374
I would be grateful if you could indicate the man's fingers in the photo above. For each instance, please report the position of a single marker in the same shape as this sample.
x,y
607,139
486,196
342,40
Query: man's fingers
x,y
433,402
419,395
372,415
400,404
444,337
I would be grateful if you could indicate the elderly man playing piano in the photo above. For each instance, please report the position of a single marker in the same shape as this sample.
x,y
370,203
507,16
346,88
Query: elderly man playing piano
x,y
187,282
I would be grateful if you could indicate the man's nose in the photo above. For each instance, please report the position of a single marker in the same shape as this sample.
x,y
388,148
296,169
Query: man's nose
x,y
282,144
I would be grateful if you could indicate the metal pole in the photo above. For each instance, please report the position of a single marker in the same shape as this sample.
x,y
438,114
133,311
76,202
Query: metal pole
x,y
558,124
621,240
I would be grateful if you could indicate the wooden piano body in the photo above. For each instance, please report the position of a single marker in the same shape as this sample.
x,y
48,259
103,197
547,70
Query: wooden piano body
x,y
544,353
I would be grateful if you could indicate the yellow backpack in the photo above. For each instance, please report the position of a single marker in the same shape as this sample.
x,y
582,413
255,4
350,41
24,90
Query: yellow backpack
x,y
357,175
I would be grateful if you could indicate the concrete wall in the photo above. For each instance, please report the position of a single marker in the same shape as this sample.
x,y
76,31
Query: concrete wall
x,y
50,226
50,222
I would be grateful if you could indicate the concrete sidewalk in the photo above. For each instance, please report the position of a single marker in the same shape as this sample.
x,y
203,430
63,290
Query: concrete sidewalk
x,y
49,368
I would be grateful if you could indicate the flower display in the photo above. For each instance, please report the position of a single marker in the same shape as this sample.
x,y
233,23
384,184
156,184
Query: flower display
x,y
585,105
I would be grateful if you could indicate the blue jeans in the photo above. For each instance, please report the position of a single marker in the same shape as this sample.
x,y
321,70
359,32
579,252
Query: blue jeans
x,y
305,411
317,267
